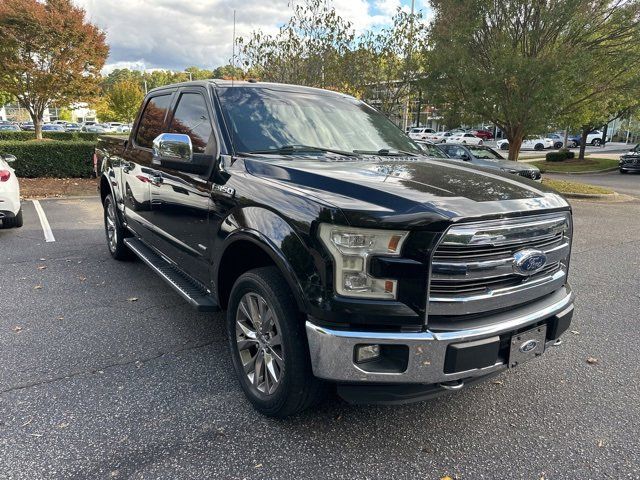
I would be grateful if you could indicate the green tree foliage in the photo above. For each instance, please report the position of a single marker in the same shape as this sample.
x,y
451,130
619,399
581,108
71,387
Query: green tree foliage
x,y
524,64
65,114
124,100
49,53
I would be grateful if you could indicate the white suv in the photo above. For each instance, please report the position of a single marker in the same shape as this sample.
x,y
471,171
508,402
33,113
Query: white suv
x,y
420,133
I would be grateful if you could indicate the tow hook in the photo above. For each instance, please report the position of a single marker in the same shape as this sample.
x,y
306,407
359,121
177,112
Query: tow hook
x,y
455,385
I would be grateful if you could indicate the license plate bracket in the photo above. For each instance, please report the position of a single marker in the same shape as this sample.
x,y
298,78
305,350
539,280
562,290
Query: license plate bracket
x,y
527,345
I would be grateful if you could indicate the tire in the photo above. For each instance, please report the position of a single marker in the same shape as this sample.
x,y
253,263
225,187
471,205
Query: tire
x,y
504,146
623,171
115,232
557,145
480,143
288,387
596,142
538,147
18,221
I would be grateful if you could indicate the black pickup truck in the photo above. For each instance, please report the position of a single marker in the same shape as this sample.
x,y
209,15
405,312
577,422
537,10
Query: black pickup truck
x,y
342,255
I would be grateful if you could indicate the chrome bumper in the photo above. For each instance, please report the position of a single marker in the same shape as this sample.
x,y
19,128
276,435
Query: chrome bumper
x,y
332,351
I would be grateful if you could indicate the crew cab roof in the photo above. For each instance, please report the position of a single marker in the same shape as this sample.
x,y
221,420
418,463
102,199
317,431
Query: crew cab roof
x,y
251,84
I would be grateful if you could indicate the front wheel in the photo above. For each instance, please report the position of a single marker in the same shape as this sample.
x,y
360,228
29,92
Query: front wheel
x,y
269,346
539,147
504,146
557,145
623,171
596,142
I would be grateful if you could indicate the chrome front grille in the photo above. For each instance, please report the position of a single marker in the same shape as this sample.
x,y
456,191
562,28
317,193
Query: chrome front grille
x,y
472,270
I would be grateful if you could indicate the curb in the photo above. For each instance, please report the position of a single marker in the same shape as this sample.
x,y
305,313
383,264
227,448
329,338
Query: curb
x,y
592,196
612,169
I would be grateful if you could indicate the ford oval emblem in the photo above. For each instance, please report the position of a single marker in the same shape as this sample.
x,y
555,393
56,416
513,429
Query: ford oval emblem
x,y
529,261
528,346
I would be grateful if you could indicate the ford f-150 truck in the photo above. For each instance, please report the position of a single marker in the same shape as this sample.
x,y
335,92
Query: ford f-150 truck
x,y
341,254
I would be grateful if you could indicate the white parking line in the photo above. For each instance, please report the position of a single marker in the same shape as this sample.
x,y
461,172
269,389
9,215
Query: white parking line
x,y
46,228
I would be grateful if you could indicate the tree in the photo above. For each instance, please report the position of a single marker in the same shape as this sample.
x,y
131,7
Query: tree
x,y
516,62
124,100
65,114
49,53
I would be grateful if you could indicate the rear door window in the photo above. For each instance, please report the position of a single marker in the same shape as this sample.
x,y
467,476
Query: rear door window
x,y
152,120
191,118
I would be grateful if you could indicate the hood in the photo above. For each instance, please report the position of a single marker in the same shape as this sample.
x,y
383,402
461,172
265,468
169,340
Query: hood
x,y
407,190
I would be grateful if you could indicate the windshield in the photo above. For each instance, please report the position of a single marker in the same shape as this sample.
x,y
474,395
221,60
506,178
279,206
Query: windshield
x,y
484,153
263,119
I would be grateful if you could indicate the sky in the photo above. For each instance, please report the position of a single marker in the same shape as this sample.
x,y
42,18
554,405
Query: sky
x,y
175,34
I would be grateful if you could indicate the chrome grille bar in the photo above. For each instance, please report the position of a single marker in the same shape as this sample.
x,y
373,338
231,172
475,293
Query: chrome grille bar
x,y
473,270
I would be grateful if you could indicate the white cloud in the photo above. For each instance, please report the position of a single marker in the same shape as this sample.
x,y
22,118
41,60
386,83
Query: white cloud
x,y
176,34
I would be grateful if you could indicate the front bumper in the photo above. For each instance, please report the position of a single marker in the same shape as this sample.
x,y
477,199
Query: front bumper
x,y
332,351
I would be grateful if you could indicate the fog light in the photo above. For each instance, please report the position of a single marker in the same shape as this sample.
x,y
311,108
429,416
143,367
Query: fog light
x,y
364,353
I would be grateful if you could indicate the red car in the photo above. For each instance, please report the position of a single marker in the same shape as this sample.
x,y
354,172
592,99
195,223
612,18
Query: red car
x,y
483,134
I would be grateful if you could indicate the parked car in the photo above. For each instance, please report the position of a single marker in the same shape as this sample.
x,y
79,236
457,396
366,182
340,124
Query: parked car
x,y
464,138
72,127
339,251
529,143
420,133
593,138
489,158
630,161
483,134
28,126
124,128
558,140
9,128
50,127
431,149
93,129
438,137
10,208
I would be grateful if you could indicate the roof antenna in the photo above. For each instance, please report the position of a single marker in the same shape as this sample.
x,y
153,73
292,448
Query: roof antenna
x,y
233,50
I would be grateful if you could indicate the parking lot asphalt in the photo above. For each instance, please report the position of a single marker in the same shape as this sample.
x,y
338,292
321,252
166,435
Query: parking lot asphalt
x,y
105,372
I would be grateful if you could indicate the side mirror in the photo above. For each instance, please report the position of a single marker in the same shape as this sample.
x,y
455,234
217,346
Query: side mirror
x,y
465,157
9,158
172,148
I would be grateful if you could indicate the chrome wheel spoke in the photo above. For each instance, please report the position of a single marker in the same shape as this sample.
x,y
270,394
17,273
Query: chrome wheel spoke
x,y
259,343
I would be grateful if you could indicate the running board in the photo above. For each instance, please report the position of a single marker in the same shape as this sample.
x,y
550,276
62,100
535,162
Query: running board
x,y
191,290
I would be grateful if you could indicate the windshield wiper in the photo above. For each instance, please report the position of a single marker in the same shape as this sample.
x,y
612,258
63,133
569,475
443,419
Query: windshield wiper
x,y
290,149
385,152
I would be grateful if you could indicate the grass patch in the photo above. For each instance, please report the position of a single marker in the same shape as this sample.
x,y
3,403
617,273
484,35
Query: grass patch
x,y
574,165
575,187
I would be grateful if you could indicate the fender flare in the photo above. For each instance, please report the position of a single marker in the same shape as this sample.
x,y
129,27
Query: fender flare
x,y
276,255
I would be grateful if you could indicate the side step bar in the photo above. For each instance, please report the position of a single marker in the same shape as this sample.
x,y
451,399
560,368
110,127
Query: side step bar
x,y
191,290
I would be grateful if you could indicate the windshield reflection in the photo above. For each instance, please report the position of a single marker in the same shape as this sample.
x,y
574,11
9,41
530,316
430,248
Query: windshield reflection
x,y
262,118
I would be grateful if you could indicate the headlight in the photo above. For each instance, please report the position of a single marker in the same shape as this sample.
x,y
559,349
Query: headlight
x,y
350,249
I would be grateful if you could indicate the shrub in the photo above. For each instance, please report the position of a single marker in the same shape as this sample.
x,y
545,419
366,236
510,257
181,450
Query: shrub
x,y
26,136
58,159
559,156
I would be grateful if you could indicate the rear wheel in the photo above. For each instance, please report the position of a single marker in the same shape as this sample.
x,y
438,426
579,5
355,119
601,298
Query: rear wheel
x,y
557,145
596,142
115,232
504,146
539,146
18,221
269,346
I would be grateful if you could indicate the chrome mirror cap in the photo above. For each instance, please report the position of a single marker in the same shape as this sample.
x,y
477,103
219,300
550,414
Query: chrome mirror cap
x,y
173,147
8,158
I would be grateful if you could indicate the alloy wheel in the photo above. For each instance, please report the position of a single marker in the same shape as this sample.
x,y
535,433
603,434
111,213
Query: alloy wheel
x,y
110,225
259,343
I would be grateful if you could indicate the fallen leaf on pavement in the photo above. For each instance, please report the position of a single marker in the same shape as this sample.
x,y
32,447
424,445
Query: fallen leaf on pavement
x,y
37,287
575,332
497,382
600,443
17,329
592,360
258,465
27,422
60,318
132,299
41,267
63,425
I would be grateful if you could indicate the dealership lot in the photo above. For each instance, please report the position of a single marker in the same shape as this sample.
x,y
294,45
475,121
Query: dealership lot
x,y
106,373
